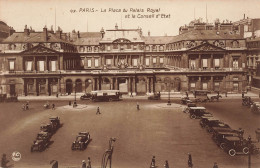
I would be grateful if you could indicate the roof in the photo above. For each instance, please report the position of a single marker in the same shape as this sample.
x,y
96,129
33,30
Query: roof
x,y
33,37
132,35
206,35
157,39
87,38
201,108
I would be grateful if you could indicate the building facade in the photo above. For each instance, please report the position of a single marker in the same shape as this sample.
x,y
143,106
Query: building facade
x,y
50,63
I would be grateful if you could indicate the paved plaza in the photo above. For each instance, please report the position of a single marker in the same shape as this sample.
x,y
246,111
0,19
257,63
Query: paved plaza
x,y
156,129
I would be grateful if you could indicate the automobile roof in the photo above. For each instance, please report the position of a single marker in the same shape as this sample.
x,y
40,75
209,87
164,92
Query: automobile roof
x,y
53,117
227,133
233,138
197,108
222,129
212,119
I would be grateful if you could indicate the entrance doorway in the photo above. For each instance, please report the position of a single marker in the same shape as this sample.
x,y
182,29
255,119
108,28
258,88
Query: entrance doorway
x,y
12,90
69,86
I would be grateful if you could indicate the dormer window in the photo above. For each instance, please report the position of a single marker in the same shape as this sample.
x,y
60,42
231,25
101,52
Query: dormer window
x,y
147,48
135,46
108,48
89,49
115,46
128,46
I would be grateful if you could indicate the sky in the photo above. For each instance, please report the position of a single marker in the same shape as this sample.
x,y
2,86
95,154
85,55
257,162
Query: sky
x,y
166,16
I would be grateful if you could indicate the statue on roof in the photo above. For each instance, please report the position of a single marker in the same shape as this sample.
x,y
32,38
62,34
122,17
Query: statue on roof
x,y
25,27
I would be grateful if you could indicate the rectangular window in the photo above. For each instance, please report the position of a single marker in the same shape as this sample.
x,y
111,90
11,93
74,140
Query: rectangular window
x,y
108,48
108,61
192,85
135,46
147,61
217,63
135,62
204,86
128,46
204,63
161,60
11,65
235,86
235,63
41,65
89,63
30,88
154,60
96,62
53,65
192,64
216,86
28,65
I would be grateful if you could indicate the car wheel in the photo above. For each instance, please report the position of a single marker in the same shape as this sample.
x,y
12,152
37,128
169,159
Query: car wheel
x,y
232,152
245,150
222,145
192,116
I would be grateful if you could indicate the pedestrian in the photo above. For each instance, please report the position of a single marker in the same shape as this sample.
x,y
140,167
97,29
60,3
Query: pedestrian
x,y
89,163
226,94
23,107
215,165
53,106
166,165
240,133
218,93
98,111
4,161
54,164
189,161
153,162
84,165
57,95
187,95
137,106
257,132
27,105
69,103
243,95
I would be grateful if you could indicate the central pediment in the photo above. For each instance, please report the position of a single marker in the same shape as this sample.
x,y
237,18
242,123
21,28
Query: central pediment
x,y
207,47
39,49
121,40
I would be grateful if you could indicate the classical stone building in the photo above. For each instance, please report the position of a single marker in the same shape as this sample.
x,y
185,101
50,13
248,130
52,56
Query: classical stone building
x,y
48,63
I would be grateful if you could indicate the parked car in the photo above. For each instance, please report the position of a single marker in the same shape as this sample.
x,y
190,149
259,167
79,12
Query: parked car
x,y
55,122
234,145
198,112
215,123
219,137
247,101
155,96
86,96
46,128
81,142
41,142
255,107
215,130
185,100
205,120
187,109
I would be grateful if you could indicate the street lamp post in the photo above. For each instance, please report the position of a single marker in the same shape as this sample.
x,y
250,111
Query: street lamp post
x,y
107,156
249,152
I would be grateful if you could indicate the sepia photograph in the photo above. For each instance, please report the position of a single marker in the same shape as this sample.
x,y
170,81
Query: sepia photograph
x,y
130,84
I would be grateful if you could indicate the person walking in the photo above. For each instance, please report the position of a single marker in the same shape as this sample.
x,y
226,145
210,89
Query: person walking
x,y
53,106
84,165
98,111
166,165
89,163
189,161
257,132
27,105
137,106
215,165
153,162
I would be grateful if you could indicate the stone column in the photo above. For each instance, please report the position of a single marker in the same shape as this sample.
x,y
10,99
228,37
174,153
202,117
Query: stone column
x,y
199,64
152,85
211,60
199,83
34,64
211,84
134,86
46,64
129,85
147,86
94,84
117,88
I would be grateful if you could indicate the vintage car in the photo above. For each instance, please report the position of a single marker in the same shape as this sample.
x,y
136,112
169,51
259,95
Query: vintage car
x,y
185,100
81,142
234,145
215,123
86,96
187,109
41,142
247,101
198,112
255,107
205,120
46,128
155,96
219,137
55,122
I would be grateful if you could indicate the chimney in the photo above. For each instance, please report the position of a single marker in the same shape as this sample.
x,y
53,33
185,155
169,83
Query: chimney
x,y
45,34
244,16
11,31
149,33
116,27
26,30
59,32
102,32
78,35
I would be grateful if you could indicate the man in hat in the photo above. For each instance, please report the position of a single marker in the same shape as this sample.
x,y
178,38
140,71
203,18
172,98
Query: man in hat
x,y
153,162
257,132
166,165
190,160
89,163
98,111
84,165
